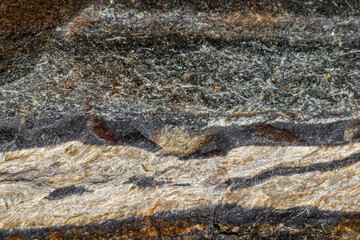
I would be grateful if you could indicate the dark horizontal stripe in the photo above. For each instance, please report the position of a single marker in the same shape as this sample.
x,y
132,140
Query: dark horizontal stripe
x,y
329,134
243,182
163,44
275,6
63,192
144,181
33,133
140,131
15,177
214,222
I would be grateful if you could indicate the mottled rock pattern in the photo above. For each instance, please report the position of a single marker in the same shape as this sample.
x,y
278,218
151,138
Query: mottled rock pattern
x,y
167,119
180,60
259,186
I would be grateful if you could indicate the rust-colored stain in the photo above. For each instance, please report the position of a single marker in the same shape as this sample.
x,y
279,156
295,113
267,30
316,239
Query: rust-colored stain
x,y
352,130
12,237
146,228
99,128
277,134
55,235
348,225
25,29
21,17
150,227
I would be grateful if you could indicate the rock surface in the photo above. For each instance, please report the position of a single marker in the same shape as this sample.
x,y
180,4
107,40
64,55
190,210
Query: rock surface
x,y
179,120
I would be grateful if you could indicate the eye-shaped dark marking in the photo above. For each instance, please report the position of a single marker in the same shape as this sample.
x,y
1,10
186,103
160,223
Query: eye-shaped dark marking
x,y
144,181
100,129
243,182
63,192
277,134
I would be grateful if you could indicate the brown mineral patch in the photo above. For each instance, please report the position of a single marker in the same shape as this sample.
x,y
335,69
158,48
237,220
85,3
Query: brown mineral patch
x,y
189,228
348,225
151,227
289,86
274,231
277,134
143,228
21,17
177,140
72,150
352,130
55,235
12,237
25,29
100,129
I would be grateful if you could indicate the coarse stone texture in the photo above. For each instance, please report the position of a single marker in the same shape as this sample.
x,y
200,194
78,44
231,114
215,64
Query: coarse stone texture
x,y
119,60
79,184
167,119
25,31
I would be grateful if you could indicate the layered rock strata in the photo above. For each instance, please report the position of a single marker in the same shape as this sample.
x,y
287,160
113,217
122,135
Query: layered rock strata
x,y
168,120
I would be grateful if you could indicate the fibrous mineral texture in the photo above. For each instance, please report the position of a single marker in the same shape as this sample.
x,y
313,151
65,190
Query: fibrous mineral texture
x,y
194,119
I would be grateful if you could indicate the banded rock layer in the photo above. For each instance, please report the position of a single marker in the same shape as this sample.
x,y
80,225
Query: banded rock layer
x,y
168,120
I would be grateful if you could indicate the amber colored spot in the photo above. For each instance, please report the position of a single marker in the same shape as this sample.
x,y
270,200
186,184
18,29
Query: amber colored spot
x,y
216,88
348,225
11,237
277,134
352,130
100,129
83,22
144,228
177,140
289,86
158,228
56,235
54,165
150,227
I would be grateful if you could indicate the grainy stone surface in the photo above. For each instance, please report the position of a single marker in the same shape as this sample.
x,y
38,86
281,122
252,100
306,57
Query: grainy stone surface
x,y
184,61
73,183
169,119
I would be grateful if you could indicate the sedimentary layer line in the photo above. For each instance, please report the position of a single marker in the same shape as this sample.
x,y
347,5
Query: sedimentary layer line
x,y
171,136
50,186
208,222
290,170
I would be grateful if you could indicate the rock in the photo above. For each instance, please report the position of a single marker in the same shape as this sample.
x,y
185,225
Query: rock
x,y
179,119
177,140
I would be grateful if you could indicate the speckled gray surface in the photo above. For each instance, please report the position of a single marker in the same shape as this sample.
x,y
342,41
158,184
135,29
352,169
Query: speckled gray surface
x,y
118,60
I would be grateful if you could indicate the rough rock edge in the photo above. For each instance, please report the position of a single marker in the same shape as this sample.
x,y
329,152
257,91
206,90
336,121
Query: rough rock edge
x,y
145,132
209,222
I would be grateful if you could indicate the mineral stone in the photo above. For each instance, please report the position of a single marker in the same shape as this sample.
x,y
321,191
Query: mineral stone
x,y
167,119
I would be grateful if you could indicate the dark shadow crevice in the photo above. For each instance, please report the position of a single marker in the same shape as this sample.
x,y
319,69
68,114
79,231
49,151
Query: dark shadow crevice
x,y
243,182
